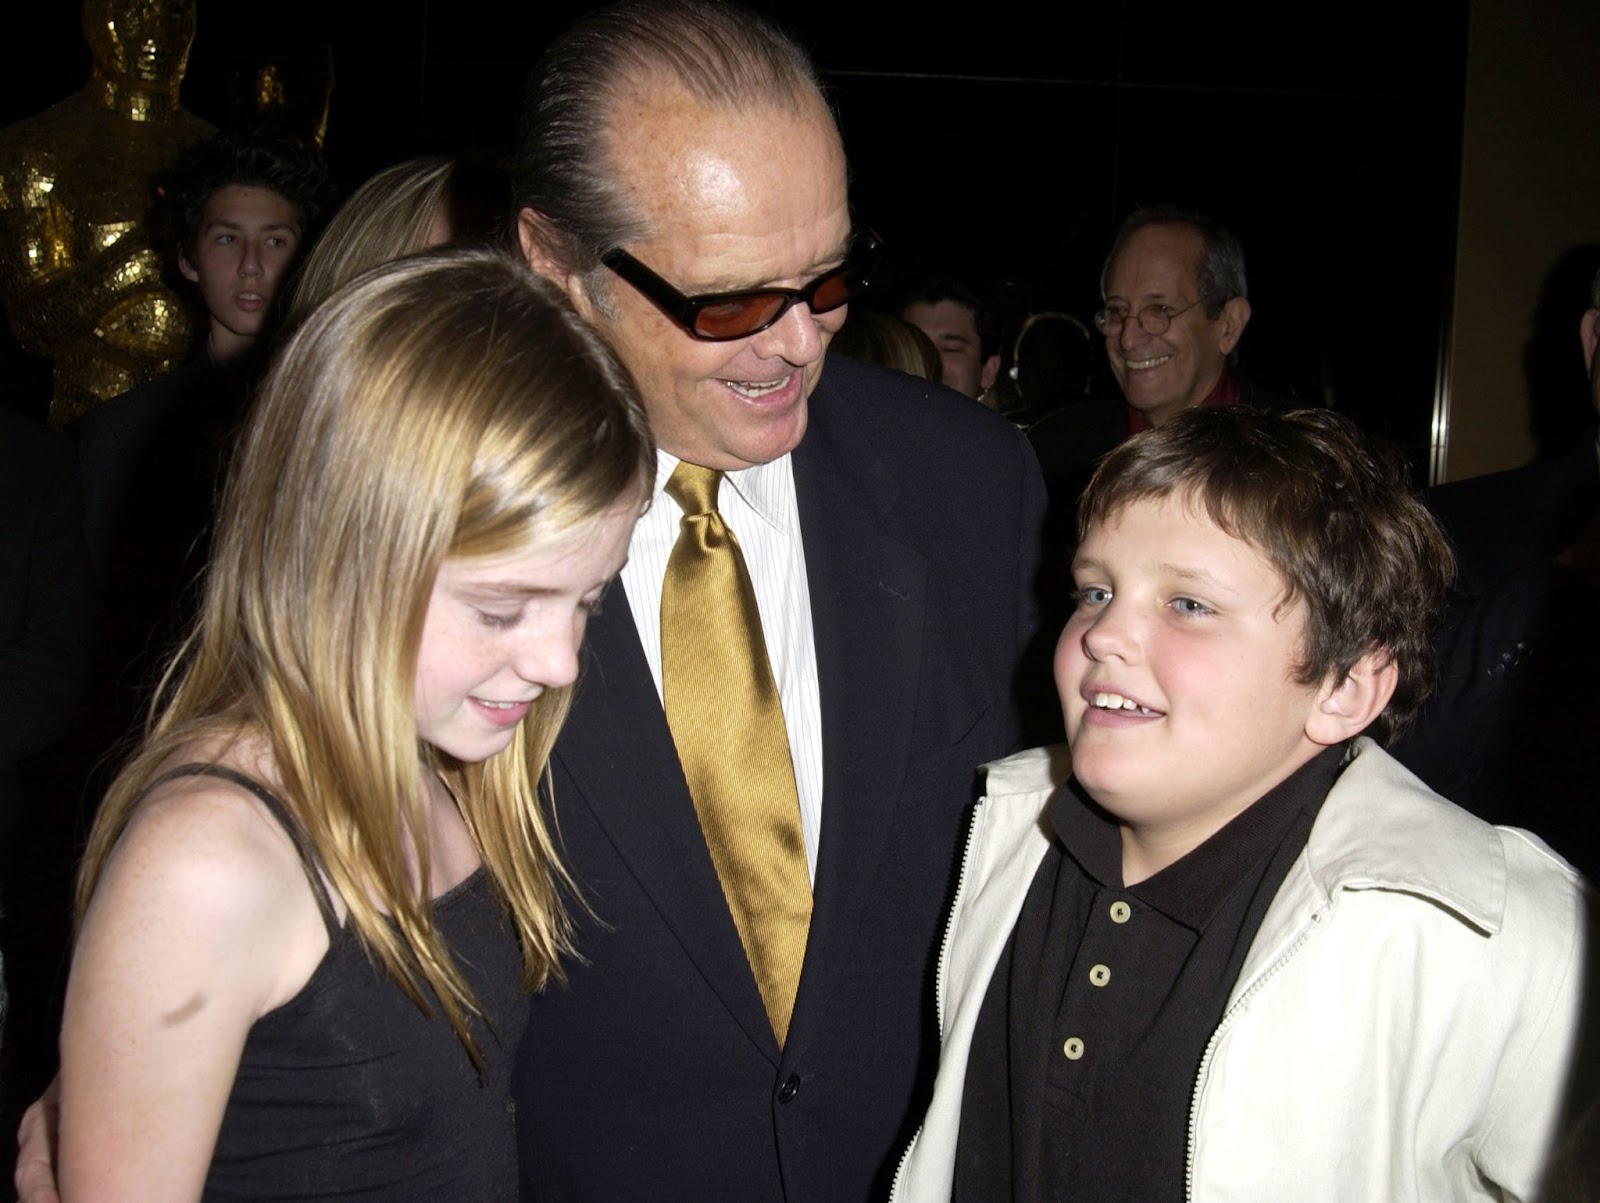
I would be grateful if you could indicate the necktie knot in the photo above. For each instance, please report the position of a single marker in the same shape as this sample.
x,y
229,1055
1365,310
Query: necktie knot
x,y
694,488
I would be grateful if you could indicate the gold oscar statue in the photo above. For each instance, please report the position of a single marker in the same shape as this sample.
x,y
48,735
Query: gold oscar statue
x,y
81,281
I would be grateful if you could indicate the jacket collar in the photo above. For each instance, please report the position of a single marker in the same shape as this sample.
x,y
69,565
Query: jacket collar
x,y
1383,829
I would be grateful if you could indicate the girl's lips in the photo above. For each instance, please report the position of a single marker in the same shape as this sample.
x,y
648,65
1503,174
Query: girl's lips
x,y
501,715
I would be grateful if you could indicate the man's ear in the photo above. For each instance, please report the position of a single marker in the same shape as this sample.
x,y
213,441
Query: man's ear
x,y
533,234
1346,707
1235,317
1590,336
186,269
991,369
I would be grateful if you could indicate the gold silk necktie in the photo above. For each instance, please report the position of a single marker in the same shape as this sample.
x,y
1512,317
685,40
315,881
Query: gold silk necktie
x,y
727,723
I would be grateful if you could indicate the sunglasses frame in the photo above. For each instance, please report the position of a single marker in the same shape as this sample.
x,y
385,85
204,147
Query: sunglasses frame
x,y
859,262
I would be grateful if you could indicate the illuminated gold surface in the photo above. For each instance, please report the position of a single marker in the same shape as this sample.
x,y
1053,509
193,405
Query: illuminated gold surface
x,y
81,283
287,94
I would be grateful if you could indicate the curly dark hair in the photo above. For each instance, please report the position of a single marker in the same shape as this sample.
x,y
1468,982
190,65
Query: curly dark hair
x,y
294,170
1333,512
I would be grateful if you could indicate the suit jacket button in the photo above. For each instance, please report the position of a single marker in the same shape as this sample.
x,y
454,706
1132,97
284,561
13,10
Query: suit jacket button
x,y
789,1089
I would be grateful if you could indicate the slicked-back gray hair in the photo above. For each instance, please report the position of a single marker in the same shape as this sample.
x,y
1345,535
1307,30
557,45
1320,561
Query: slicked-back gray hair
x,y
723,56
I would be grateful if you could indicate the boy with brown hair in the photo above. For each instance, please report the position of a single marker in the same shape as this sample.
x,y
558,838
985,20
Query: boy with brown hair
x,y
1242,953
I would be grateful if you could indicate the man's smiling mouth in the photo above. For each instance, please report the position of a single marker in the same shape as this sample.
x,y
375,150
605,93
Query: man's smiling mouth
x,y
1142,365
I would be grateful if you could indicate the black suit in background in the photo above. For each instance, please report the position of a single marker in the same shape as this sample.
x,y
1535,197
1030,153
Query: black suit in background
x,y
47,625
1511,731
47,612
654,1074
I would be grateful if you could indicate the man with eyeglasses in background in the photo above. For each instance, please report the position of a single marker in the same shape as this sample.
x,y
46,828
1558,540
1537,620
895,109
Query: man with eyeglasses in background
x,y
1174,305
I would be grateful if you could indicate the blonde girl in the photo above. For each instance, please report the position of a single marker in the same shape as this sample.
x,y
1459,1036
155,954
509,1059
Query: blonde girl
x,y
314,901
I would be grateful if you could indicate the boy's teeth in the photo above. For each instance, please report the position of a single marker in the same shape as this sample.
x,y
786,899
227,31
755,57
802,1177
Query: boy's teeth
x,y
1115,701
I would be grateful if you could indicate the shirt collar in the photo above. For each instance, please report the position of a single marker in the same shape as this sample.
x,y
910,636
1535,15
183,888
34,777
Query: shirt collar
x,y
1223,393
1192,889
761,487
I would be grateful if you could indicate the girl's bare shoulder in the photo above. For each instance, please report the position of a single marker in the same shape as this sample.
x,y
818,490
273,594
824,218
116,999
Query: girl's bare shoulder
x,y
202,870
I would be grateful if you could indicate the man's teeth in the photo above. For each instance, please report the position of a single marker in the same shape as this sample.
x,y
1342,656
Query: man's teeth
x,y
754,388
1139,365
1115,701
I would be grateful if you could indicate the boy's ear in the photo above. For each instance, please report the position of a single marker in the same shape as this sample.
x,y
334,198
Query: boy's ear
x,y
1346,707
186,269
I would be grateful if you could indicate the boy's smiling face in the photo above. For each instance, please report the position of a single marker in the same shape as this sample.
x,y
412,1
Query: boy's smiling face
x,y
1176,673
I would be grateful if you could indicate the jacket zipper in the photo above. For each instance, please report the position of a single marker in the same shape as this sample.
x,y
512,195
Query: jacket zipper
x,y
939,967
1227,1021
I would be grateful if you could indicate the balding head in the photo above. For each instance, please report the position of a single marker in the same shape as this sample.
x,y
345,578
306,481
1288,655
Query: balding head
x,y
723,57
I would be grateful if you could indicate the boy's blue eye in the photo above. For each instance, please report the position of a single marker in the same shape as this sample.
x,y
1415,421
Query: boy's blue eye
x,y
1189,607
1091,595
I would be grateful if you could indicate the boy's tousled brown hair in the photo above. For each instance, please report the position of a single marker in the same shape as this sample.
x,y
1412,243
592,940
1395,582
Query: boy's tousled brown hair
x,y
1331,510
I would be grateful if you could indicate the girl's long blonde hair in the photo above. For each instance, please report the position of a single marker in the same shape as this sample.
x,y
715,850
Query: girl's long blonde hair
x,y
450,404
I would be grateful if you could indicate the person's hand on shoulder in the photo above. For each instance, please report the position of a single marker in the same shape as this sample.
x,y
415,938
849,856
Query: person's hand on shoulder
x,y
35,1175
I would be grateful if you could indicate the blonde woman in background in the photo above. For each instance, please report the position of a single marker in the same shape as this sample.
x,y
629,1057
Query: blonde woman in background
x,y
889,342
314,901
410,207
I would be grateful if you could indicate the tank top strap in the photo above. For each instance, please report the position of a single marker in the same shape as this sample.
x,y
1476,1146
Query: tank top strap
x,y
309,860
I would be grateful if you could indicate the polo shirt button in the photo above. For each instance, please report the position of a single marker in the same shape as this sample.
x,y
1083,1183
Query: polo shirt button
x,y
1121,912
1073,1048
789,1089
1099,975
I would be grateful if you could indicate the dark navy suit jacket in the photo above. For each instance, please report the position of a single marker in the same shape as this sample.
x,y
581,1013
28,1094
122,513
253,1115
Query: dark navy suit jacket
x,y
654,1073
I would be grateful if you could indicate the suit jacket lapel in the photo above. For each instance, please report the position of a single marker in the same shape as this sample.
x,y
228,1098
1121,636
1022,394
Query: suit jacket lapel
x,y
617,751
867,597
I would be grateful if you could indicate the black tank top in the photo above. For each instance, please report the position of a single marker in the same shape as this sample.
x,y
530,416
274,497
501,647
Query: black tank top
x,y
347,1091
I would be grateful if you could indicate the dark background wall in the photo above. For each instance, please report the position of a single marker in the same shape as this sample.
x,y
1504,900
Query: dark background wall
x,y
1004,146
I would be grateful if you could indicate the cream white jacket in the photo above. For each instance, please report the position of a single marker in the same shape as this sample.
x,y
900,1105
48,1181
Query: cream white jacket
x,y
1403,1025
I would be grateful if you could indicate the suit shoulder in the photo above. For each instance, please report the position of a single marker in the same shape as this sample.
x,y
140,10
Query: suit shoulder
x,y
905,411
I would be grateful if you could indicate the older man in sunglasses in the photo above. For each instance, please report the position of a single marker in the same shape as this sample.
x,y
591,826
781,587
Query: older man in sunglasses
x,y
752,1021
